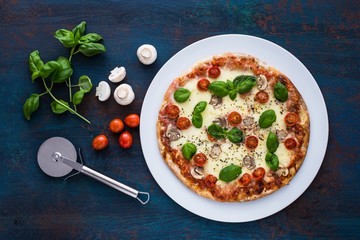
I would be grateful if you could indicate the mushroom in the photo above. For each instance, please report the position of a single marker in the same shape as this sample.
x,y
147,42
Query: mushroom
x,y
147,54
282,172
103,91
261,82
249,162
117,74
124,95
281,134
221,121
173,133
248,121
197,172
215,151
215,101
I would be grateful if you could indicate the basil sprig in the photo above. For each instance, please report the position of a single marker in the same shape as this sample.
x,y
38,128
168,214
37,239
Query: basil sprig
x,y
244,83
219,88
234,135
280,92
181,95
197,118
272,142
272,161
267,118
188,150
229,173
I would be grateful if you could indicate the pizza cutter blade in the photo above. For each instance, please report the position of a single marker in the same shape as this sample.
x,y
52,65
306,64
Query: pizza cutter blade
x,y
57,158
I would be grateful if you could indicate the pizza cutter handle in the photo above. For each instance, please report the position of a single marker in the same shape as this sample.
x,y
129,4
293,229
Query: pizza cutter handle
x,y
145,197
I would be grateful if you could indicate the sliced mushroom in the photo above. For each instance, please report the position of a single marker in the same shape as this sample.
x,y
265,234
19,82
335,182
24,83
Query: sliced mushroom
x,y
173,133
261,82
221,121
215,151
281,134
147,54
249,162
282,172
215,101
248,121
197,172
103,91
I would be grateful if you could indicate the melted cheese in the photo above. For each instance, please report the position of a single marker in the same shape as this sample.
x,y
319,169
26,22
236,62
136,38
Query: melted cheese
x,y
246,106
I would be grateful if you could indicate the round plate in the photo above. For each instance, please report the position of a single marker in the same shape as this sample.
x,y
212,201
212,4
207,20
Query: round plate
x,y
271,54
45,156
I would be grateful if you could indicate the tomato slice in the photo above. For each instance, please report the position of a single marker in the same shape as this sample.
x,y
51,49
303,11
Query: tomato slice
x,y
214,72
251,142
262,97
200,159
203,84
183,123
234,118
172,111
210,181
291,119
258,174
245,179
290,143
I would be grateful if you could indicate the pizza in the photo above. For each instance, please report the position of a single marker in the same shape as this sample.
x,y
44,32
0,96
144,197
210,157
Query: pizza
x,y
233,129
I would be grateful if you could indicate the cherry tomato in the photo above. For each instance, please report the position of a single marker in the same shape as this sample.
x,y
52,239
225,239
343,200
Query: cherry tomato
x,y
183,123
203,84
125,139
245,179
132,120
116,125
251,142
258,174
290,143
214,72
210,181
234,118
100,142
262,97
200,159
291,119
172,111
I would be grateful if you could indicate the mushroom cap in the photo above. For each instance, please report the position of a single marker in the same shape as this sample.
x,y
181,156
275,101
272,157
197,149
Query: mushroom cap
x,y
123,94
147,54
103,91
117,74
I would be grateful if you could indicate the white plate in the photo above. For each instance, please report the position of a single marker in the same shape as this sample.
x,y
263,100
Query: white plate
x,y
271,54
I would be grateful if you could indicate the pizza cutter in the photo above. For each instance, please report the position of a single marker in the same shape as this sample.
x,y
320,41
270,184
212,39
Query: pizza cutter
x,y
57,157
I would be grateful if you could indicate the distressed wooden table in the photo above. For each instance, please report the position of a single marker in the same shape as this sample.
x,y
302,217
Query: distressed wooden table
x,y
324,35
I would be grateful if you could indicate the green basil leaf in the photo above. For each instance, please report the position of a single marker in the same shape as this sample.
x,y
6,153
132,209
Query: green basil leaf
x,y
188,150
272,142
35,75
231,89
66,37
235,135
31,105
49,68
216,131
59,108
218,88
35,62
91,49
90,37
244,83
229,173
78,97
200,107
85,83
267,118
80,28
280,92
197,120
232,95
272,161
64,72
181,95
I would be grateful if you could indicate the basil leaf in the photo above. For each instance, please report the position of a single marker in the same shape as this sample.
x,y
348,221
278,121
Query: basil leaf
x,y
85,83
235,135
90,37
31,105
244,83
181,95
218,88
232,90
197,120
35,62
200,107
91,49
66,37
272,161
78,97
80,28
272,142
280,92
188,150
59,108
229,173
267,118
64,72
49,68
216,131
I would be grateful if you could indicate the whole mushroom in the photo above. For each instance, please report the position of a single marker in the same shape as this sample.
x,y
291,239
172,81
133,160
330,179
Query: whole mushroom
x,y
117,74
123,94
147,54
103,91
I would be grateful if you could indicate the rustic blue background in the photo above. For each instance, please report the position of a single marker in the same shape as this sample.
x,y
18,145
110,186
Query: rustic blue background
x,y
324,35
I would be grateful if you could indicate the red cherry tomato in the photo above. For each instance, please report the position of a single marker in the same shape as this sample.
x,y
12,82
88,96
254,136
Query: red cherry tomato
x,y
183,123
200,159
290,143
251,142
210,181
291,119
125,139
214,72
100,142
203,84
116,125
172,111
132,120
245,179
262,97
234,118
258,174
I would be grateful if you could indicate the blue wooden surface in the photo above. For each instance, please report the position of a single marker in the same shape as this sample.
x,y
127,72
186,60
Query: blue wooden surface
x,y
324,35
